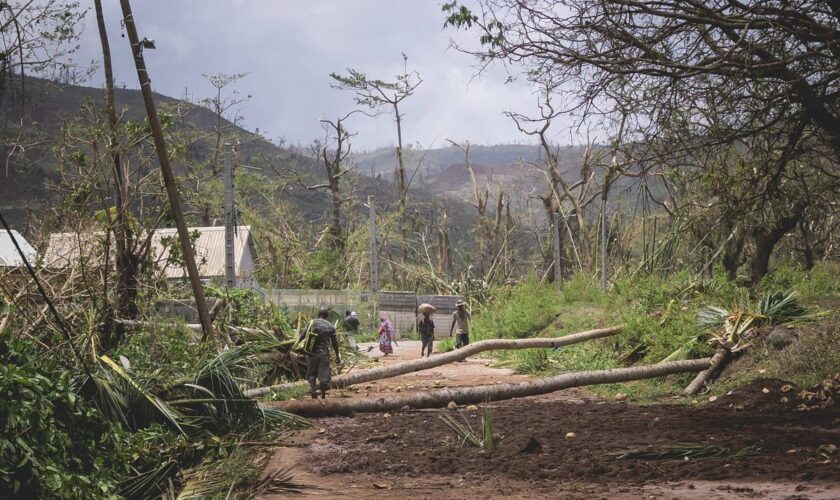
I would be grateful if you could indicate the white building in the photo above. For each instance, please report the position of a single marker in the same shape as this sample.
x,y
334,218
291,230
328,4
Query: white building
x,y
64,249
9,256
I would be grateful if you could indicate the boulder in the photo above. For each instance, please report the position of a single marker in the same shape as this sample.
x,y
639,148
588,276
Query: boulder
x,y
781,337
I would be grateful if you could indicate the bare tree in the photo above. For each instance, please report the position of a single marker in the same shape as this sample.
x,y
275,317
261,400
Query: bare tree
x,y
334,153
378,95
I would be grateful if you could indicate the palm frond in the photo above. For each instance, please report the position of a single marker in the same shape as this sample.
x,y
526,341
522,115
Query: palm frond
x,y
148,484
780,306
488,439
140,405
712,316
681,452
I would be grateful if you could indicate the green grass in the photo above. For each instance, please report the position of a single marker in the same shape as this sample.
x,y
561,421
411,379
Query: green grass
x,y
660,318
805,363
296,392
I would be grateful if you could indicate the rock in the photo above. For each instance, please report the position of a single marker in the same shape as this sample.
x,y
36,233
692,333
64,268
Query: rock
x,y
452,406
621,397
571,435
533,446
781,337
712,398
765,390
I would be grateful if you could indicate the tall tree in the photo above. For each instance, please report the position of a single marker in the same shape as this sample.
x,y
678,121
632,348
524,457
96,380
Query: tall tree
x,y
334,153
378,96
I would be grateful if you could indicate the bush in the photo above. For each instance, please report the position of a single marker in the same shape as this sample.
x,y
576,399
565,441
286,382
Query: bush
x,y
54,444
524,311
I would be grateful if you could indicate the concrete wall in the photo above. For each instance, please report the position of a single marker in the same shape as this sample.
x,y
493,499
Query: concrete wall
x,y
445,306
401,307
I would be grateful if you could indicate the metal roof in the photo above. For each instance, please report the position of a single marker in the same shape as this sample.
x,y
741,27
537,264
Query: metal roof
x,y
65,248
209,251
9,256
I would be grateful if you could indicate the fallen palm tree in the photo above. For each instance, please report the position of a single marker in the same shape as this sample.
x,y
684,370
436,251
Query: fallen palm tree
x,y
736,329
483,393
397,369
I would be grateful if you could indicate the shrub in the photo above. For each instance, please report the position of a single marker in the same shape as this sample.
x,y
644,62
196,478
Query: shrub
x,y
54,444
524,311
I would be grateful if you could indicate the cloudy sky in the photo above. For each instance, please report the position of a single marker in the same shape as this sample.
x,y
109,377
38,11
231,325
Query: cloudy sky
x,y
289,47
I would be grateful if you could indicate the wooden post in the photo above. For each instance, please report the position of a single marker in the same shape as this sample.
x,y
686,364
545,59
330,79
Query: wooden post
x,y
374,257
555,233
604,239
230,229
166,170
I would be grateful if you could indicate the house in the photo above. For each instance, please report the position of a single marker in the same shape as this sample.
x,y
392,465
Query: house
x,y
210,254
64,249
9,256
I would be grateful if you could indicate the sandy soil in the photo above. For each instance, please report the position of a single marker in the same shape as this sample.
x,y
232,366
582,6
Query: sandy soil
x,y
786,454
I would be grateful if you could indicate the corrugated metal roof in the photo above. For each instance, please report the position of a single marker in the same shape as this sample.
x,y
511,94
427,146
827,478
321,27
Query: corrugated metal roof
x,y
9,256
64,248
209,251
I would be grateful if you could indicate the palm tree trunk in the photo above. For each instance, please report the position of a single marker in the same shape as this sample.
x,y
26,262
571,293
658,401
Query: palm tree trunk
x,y
719,360
417,365
484,393
166,169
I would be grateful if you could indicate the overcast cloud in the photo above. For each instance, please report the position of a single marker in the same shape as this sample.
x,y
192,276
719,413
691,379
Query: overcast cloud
x,y
289,49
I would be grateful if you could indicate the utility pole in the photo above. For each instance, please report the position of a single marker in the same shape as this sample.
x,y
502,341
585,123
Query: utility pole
x,y
166,170
604,240
230,228
555,233
374,258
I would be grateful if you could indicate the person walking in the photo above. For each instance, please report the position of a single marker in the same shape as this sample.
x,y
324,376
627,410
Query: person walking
x,y
351,327
427,334
319,357
460,319
387,335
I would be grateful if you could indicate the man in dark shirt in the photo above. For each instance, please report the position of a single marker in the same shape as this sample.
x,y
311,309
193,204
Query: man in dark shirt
x,y
319,359
427,334
351,327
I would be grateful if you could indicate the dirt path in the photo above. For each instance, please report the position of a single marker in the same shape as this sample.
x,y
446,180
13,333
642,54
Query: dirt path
x,y
787,455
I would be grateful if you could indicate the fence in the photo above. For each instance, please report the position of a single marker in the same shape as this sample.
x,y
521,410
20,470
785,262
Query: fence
x,y
401,307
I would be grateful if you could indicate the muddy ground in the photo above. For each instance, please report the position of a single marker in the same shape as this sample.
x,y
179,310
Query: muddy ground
x,y
774,452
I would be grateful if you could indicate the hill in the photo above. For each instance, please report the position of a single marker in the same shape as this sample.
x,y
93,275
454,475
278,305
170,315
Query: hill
x,y
46,107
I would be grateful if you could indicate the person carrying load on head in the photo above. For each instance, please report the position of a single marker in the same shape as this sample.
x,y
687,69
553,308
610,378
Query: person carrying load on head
x,y
317,340
461,319
426,328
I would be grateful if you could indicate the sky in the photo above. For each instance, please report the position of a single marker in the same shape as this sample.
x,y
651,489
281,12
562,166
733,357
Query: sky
x,y
289,48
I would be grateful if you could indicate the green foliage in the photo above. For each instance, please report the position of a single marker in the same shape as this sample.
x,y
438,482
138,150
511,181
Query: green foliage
x,y
249,308
522,311
485,437
54,444
166,350
445,345
822,281
319,269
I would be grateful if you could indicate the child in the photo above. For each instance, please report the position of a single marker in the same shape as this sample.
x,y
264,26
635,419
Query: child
x,y
427,334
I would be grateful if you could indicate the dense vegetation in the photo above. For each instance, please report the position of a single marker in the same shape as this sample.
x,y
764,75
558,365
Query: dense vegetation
x,y
710,195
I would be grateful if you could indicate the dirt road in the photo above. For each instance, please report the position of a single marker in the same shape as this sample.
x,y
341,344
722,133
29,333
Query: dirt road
x,y
771,453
